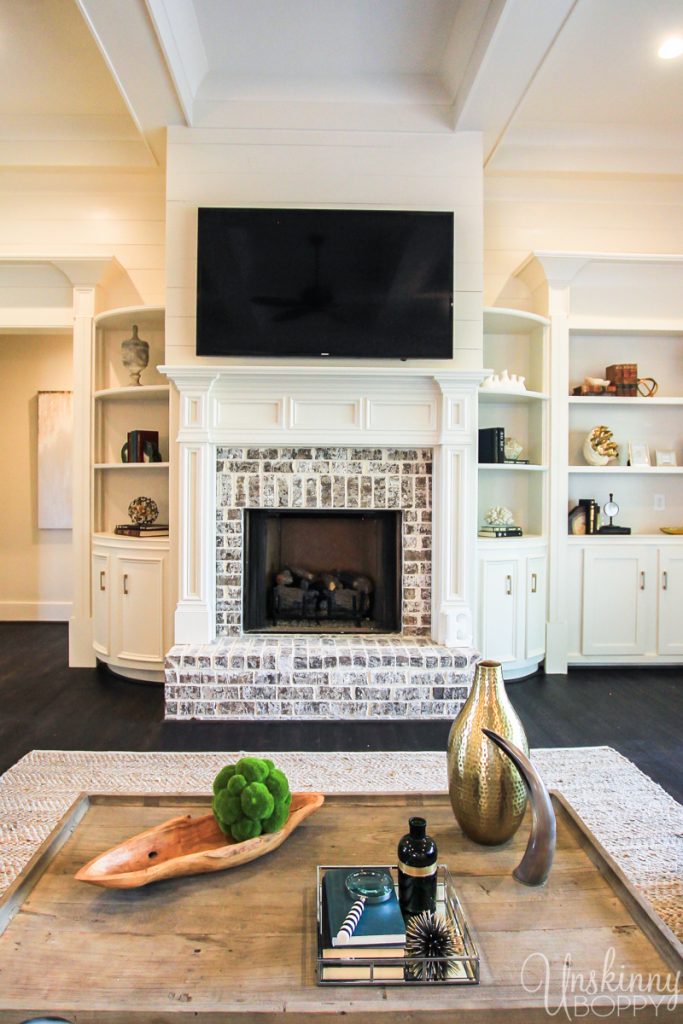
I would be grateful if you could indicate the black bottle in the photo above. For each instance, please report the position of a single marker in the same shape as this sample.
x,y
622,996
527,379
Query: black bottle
x,y
417,870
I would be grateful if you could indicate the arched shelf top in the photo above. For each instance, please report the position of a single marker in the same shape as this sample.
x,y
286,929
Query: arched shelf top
x,y
499,320
119,319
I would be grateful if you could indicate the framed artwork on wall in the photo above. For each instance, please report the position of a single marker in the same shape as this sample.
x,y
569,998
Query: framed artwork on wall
x,y
55,427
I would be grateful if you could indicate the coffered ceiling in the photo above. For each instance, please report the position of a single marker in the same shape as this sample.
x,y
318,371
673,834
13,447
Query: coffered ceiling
x,y
556,86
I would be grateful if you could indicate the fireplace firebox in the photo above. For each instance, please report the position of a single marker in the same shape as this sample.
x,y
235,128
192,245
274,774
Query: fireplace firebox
x,y
335,571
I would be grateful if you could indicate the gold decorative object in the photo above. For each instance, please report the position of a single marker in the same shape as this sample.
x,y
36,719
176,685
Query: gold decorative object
x,y
599,448
487,793
647,387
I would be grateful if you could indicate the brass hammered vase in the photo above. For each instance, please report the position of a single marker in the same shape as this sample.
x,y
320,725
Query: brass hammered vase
x,y
487,793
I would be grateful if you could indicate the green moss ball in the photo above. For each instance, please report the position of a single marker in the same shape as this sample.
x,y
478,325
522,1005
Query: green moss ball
x,y
277,784
253,769
223,777
236,784
245,828
257,801
227,807
278,818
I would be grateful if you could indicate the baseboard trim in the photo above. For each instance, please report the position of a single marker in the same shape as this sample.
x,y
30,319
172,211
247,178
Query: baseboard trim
x,y
35,611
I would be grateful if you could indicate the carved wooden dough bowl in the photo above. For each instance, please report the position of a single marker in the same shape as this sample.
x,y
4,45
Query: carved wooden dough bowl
x,y
187,846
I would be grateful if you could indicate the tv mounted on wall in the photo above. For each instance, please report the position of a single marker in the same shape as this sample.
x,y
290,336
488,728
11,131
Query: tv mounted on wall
x,y
355,283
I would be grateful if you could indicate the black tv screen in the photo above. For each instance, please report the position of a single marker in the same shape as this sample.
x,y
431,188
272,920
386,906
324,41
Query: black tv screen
x,y
358,283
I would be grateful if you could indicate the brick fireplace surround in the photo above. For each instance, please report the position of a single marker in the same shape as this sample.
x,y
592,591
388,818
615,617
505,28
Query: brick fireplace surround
x,y
392,439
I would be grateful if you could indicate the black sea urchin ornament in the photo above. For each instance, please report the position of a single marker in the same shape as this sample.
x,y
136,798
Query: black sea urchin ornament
x,y
432,942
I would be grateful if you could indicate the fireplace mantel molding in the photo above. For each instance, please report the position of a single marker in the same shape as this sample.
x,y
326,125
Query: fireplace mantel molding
x,y
315,406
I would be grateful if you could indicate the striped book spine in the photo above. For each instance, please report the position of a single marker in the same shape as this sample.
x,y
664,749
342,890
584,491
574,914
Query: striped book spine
x,y
350,922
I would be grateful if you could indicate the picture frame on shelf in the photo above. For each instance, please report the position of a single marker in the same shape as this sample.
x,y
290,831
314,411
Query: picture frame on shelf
x,y
638,454
665,458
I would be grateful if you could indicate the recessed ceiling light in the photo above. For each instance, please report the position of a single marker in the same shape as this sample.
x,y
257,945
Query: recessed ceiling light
x,y
670,48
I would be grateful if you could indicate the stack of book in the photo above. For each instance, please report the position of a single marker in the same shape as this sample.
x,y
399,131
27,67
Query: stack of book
x,y
142,530
492,444
379,935
501,531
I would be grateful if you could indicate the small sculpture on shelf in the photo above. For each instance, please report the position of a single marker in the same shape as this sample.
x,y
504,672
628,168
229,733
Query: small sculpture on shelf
x,y
143,510
594,386
499,515
513,449
135,356
599,448
503,381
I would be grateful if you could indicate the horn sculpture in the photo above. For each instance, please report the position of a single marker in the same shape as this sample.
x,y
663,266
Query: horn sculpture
x,y
535,865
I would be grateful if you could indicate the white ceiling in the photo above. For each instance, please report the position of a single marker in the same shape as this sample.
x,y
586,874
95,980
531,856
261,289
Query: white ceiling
x,y
555,86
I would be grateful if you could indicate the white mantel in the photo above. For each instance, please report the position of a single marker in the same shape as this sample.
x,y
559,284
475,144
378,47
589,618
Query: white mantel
x,y
285,405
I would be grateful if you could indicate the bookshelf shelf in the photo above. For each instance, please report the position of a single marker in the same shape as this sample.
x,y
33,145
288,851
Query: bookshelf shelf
x,y
131,465
493,396
153,392
514,467
628,470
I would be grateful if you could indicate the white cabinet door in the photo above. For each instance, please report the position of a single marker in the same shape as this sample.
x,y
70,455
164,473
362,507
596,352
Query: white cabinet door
x,y
140,603
501,621
618,599
670,638
101,604
535,606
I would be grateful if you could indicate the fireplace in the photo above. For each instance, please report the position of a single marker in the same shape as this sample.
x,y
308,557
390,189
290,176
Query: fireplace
x,y
322,571
385,457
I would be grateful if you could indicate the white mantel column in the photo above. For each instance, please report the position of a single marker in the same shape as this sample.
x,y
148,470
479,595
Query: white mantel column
x,y
195,616
454,513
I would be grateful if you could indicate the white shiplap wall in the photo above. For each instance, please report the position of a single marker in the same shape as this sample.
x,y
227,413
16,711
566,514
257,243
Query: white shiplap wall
x,y
579,214
70,212
309,169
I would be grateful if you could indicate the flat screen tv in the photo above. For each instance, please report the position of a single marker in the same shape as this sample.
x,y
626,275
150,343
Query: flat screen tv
x,y
356,283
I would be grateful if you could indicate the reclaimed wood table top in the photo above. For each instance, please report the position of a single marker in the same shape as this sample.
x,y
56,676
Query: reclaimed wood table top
x,y
240,945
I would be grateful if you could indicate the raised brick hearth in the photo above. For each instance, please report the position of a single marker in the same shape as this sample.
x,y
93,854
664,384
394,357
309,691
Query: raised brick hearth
x,y
317,677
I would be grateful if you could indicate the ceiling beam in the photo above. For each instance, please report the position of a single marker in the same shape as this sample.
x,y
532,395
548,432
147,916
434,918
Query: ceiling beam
x,y
180,38
514,40
127,40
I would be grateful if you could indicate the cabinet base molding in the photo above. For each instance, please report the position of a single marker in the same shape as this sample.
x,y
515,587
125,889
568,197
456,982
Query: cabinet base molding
x,y
631,660
138,675
522,670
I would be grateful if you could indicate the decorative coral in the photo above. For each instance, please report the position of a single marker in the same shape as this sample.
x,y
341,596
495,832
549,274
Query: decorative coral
x,y
499,515
599,448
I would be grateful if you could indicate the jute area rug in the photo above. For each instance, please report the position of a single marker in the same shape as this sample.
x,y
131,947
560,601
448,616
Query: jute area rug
x,y
633,817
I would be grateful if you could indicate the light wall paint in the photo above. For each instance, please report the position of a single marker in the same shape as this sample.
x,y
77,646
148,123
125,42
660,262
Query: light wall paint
x,y
216,167
578,214
35,565
89,213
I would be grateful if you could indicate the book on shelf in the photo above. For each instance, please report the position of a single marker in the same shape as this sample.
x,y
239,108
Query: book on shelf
x,y
379,935
501,531
141,530
492,444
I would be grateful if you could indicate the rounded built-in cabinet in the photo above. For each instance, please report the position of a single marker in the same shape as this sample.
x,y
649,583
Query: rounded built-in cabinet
x,y
130,448
513,475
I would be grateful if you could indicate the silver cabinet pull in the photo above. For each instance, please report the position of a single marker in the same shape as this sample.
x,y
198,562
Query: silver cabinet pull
x,y
665,580
102,586
642,580
125,582
534,583
508,585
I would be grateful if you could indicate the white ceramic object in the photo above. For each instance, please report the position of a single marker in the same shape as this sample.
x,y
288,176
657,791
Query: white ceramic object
x,y
499,515
504,381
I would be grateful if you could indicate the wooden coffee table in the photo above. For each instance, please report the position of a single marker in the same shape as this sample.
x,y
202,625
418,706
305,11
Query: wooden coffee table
x,y
240,946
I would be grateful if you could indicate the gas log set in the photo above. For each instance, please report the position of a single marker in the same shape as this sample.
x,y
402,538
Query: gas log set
x,y
323,596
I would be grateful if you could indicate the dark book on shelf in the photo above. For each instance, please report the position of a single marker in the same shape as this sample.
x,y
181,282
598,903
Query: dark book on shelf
x,y
501,531
492,444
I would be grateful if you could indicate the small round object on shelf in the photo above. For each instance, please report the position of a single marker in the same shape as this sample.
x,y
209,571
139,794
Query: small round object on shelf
x,y
143,510
647,387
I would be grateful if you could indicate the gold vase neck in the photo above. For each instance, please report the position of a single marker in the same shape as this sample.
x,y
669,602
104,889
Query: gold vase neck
x,y
488,680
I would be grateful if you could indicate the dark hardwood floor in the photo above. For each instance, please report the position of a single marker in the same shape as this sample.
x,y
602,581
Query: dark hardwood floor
x,y
45,704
